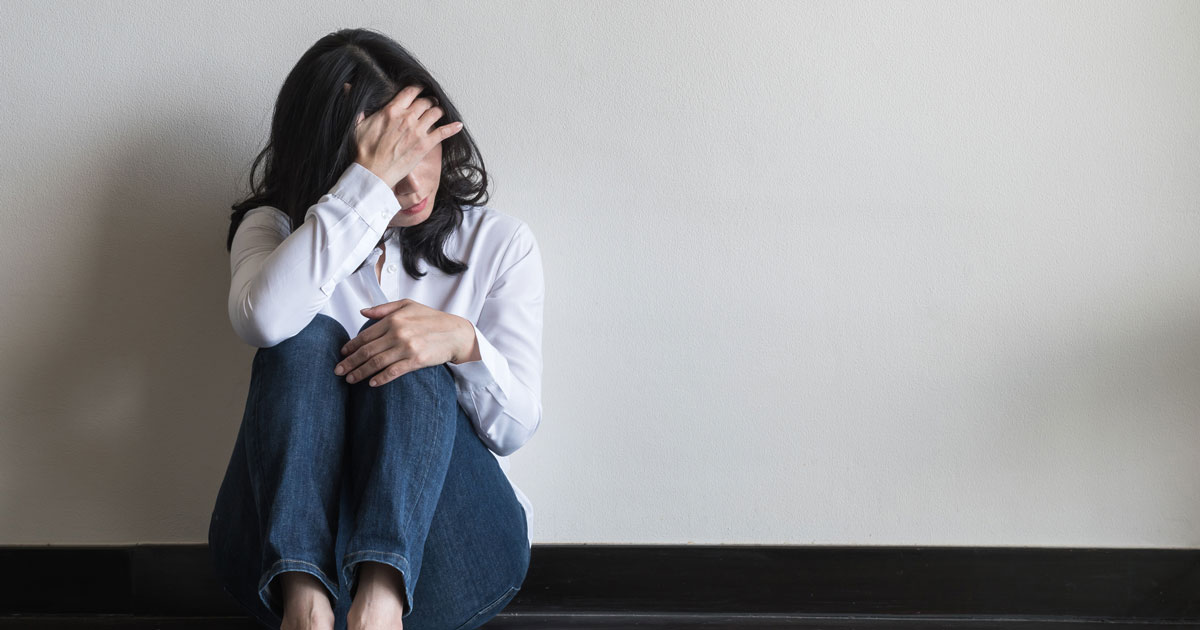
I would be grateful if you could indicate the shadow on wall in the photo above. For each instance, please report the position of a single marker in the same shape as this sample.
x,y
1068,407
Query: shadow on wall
x,y
125,412
126,407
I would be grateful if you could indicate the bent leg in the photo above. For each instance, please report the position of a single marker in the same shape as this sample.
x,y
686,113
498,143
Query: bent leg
x,y
233,531
277,509
477,552
400,438
424,495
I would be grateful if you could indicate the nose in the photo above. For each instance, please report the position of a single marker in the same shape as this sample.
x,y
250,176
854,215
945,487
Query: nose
x,y
407,184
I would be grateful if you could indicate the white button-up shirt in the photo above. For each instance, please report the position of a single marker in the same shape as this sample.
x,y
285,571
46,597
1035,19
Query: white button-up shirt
x,y
281,279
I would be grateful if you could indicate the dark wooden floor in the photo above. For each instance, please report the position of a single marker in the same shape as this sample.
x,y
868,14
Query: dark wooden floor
x,y
594,587
616,621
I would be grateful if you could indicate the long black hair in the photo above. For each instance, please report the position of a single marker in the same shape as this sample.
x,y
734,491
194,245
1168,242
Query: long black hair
x,y
313,139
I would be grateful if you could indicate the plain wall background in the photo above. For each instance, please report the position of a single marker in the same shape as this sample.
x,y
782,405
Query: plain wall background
x,y
817,272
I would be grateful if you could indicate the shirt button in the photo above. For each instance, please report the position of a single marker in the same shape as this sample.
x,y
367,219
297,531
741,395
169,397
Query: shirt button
x,y
391,268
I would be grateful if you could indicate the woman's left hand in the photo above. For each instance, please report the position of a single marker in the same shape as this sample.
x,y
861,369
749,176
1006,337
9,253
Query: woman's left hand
x,y
407,337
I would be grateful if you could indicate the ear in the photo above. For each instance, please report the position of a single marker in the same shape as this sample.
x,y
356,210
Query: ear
x,y
345,88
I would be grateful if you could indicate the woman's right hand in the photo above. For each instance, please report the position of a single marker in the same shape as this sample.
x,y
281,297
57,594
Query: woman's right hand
x,y
394,140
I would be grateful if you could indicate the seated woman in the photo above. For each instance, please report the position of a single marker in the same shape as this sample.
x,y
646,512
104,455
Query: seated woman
x,y
369,482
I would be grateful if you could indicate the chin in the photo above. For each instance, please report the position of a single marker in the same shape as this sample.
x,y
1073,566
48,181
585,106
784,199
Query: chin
x,y
408,221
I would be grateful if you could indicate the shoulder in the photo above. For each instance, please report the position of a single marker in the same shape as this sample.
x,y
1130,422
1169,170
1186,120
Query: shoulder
x,y
490,219
268,217
508,252
494,229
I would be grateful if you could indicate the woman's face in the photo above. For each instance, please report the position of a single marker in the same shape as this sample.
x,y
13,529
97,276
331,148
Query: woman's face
x,y
418,187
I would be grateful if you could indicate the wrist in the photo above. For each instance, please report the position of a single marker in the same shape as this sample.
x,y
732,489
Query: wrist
x,y
469,347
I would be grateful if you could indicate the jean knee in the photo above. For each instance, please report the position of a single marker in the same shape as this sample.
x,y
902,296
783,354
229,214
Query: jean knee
x,y
435,378
320,334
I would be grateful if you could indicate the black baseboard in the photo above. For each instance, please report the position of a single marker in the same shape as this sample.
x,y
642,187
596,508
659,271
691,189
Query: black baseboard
x,y
969,582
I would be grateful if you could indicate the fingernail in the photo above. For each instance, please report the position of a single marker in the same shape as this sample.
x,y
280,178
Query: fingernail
x,y
338,370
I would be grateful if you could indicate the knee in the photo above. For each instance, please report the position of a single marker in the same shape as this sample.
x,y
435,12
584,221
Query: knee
x,y
432,377
323,335
433,382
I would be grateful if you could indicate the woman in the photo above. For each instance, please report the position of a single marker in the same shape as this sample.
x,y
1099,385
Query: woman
x,y
368,486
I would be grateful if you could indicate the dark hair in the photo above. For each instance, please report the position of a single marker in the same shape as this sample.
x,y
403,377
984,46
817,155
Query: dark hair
x,y
313,139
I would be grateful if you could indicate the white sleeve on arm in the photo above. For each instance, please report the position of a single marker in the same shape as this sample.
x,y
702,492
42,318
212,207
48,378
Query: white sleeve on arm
x,y
502,392
280,281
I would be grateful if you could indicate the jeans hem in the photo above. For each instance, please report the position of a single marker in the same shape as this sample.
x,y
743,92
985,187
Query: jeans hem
x,y
395,560
491,610
288,564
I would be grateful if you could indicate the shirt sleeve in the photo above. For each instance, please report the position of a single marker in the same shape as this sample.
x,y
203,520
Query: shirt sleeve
x,y
502,392
280,281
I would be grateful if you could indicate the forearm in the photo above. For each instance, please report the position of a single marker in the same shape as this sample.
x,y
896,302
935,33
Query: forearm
x,y
282,277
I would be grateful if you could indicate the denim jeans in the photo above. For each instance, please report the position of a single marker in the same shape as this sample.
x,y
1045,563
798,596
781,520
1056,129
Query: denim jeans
x,y
326,475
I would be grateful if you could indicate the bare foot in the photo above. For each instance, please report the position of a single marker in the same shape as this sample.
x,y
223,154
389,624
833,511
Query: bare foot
x,y
379,599
306,604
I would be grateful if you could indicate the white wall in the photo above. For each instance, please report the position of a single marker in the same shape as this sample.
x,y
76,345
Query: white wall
x,y
817,273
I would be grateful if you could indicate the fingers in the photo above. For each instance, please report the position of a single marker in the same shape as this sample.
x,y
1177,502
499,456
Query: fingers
x,y
363,364
382,368
449,129
403,99
426,107
368,334
395,107
430,116
394,371
359,349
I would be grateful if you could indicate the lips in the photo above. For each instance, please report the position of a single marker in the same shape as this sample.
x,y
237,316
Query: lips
x,y
413,209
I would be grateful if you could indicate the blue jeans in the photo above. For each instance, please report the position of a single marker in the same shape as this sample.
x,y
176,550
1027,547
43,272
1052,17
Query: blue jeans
x,y
326,475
